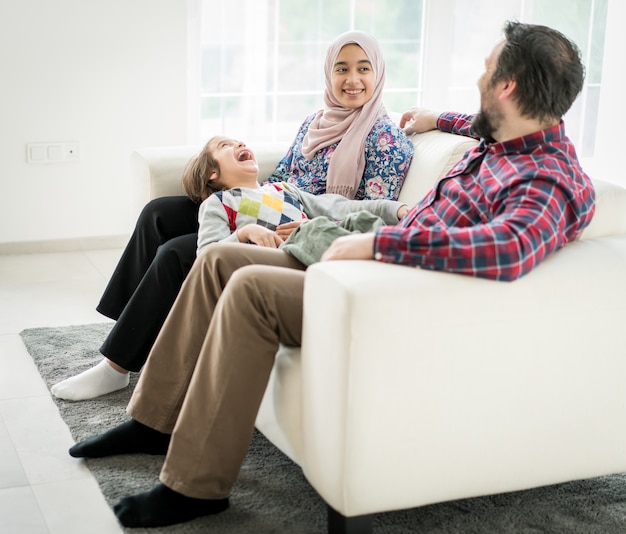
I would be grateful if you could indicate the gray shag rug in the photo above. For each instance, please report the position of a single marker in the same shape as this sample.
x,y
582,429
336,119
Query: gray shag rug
x,y
272,495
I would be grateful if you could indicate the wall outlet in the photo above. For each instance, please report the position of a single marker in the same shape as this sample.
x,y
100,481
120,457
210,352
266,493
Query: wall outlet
x,y
63,152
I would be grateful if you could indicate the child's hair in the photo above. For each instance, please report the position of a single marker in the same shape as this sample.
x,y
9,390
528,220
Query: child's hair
x,y
197,172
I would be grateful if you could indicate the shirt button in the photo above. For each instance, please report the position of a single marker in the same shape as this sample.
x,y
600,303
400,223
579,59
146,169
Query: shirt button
x,y
378,256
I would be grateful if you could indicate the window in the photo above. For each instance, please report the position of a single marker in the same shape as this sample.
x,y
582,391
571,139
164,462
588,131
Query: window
x,y
261,61
257,65
454,57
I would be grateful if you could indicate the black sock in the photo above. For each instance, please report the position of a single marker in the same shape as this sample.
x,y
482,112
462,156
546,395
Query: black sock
x,y
162,506
130,437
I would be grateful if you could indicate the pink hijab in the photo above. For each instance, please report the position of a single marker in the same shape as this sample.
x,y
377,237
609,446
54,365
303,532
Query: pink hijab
x,y
348,126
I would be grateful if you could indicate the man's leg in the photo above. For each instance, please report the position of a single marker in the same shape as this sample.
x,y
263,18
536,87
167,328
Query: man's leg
x,y
163,384
159,394
261,306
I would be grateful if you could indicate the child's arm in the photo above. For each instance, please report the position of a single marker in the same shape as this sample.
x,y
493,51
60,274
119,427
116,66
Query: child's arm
x,y
337,207
214,224
259,235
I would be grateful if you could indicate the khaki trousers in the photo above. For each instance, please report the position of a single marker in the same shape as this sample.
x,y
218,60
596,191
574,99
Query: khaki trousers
x,y
209,367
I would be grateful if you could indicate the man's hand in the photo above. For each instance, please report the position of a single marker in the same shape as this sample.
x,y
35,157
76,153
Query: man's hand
x,y
418,120
285,230
351,247
259,235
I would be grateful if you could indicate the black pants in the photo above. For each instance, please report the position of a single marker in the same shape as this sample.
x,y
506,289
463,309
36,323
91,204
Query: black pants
x,y
148,277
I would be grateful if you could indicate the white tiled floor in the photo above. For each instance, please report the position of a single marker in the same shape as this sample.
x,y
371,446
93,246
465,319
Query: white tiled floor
x,y
42,489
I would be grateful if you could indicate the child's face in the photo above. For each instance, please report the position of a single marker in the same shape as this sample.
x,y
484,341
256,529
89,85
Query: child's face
x,y
236,162
353,80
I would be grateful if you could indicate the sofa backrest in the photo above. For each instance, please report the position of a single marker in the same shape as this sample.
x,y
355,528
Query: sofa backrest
x,y
157,172
610,215
436,152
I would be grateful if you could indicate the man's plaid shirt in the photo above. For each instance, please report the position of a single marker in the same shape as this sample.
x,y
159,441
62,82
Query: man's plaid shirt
x,y
499,211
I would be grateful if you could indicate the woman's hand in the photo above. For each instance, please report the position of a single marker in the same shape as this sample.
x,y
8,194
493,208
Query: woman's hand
x,y
351,247
259,235
418,120
285,230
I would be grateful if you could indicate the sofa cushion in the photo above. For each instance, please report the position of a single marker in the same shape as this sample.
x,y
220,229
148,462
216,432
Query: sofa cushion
x,y
435,153
610,215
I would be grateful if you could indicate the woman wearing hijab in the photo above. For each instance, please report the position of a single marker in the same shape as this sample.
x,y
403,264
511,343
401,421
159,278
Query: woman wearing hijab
x,y
351,147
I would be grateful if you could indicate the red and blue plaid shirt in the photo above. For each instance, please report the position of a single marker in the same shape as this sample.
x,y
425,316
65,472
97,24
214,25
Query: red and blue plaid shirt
x,y
500,210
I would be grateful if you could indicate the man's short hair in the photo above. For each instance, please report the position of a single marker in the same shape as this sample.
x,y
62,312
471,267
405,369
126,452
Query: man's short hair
x,y
546,66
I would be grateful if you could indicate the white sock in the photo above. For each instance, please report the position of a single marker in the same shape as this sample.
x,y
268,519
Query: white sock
x,y
98,380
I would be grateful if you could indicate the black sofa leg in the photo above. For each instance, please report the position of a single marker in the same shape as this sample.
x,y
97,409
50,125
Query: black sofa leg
x,y
340,524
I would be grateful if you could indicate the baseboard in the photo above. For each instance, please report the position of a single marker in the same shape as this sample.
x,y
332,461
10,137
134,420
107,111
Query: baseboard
x,y
64,245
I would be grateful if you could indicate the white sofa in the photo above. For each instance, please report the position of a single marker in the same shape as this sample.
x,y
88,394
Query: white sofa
x,y
423,386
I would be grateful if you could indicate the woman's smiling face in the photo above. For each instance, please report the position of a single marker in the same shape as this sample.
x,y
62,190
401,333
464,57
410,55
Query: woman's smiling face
x,y
353,79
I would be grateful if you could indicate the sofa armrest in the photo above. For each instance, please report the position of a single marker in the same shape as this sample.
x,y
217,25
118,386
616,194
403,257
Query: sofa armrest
x,y
422,386
157,171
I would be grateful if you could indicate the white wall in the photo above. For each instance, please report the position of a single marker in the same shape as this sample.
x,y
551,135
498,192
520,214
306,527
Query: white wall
x,y
110,74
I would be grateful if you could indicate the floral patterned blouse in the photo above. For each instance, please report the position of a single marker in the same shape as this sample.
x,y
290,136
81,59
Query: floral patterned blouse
x,y
388,154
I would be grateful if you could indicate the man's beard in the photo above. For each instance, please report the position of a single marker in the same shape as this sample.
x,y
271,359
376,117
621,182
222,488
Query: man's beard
x,y
483,125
